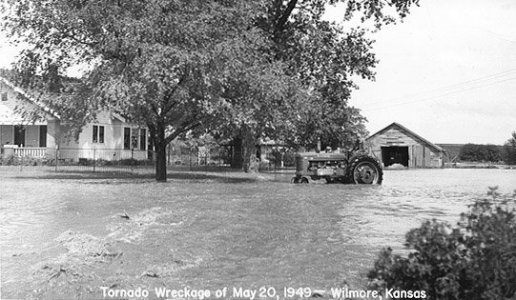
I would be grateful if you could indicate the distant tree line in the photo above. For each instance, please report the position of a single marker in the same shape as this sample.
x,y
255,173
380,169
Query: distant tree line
x,y
475,152
490,153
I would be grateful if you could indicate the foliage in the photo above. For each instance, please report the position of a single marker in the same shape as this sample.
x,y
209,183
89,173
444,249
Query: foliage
x,y
320,59
509,150
286,155
335,124
121,162
474,152
20,161
243,69
164,64
474,260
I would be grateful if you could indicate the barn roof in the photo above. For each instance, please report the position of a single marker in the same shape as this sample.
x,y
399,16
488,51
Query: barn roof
x,y
409,133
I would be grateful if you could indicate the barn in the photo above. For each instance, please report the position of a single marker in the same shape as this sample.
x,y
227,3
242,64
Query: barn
x,y
395,144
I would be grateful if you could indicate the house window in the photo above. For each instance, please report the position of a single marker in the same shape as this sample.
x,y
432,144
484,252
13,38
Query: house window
x,y
101,134
95,134
127,138
98,134
143,140
4,96
134,138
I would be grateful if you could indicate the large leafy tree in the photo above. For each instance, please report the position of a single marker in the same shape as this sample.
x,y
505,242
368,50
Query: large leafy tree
x,y
322,59
165,64
178,66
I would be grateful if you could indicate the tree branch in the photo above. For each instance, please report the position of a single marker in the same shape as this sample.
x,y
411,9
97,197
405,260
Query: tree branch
x,y
154,109
280,24
167,106
181,130
73,36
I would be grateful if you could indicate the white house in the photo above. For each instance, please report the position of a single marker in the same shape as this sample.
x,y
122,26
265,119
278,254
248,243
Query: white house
x,y
110,137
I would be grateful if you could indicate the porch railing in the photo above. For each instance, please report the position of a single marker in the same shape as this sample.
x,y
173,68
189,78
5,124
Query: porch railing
x,y
37,152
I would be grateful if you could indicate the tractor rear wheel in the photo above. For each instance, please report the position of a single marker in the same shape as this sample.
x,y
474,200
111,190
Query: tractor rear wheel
x,y
365,170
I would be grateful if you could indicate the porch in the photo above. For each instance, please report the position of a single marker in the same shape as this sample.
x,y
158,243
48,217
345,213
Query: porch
x,y
38,135
70,154
36,141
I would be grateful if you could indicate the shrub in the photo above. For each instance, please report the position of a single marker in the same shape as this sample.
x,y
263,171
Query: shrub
x,y
276,156
128,162
474,260
509,150
23,161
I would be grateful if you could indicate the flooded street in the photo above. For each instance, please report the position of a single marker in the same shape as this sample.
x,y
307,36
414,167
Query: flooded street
x,y
65,238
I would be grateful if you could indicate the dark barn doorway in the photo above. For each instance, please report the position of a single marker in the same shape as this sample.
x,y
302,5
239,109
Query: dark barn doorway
x,y
395,155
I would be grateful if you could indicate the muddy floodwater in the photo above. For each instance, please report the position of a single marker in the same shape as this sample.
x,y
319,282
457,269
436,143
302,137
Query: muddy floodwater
x,y
65,237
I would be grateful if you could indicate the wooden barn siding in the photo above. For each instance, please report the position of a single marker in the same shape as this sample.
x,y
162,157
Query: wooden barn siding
x,y
419,154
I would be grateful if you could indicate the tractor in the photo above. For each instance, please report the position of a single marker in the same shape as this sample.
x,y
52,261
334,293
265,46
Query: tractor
x,y
337,167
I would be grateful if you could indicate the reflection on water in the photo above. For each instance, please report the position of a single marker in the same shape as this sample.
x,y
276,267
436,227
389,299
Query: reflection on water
x,y
267,232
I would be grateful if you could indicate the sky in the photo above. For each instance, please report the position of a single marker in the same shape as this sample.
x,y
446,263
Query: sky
x,y
448,72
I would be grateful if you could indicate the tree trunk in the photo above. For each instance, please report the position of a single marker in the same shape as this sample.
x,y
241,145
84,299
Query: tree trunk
x,y
161,154
236,157
244,151
161,162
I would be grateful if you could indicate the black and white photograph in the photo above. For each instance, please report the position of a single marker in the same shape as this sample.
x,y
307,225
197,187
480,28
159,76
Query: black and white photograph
x,y
258,150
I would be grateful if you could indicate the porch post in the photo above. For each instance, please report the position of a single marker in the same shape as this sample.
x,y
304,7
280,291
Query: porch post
x,y
52,137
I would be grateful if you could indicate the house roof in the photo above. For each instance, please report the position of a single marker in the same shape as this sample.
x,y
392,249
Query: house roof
x,y
409,133
118,117
29,98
